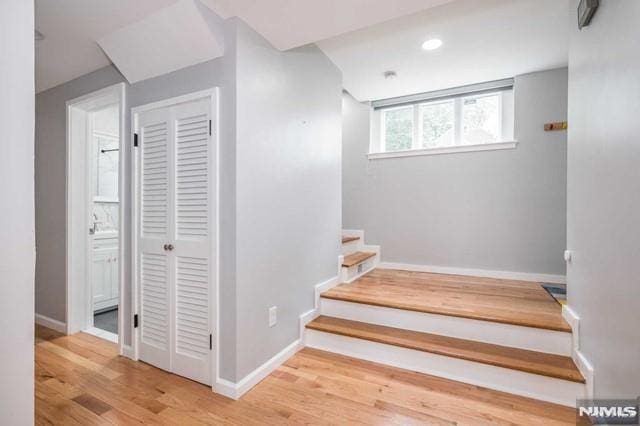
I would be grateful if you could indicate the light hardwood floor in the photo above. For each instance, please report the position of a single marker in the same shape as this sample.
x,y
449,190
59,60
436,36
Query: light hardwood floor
x,y
80,380
505,301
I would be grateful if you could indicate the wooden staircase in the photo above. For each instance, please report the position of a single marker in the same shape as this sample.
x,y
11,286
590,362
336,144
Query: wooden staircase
x,y
358,258
500,334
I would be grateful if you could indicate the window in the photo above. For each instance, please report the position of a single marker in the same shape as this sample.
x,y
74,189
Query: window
x,y
437,124
398,128
481,119
465,121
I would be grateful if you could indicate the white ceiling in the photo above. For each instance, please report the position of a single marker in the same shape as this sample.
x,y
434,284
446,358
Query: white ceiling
x,y
71,28
292,23
172,38
483,41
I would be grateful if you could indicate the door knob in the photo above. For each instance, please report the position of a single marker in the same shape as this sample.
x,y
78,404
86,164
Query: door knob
x,y
168,247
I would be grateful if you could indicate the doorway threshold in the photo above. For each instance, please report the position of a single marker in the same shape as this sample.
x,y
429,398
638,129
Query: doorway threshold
x,y
103,334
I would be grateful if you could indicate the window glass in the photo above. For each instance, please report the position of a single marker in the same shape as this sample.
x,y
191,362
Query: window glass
x,y
398,128
437,124
481,119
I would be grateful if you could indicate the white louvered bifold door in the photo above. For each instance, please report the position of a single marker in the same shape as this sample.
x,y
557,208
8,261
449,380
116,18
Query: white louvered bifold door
x,y
154,271
192,236
175,239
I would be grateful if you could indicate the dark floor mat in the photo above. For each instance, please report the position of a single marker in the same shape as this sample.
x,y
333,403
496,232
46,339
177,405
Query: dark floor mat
x,y
557,291
107,321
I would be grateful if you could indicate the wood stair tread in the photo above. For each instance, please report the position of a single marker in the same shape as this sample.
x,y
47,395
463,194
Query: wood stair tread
x,y
357,258
346,240
551,365
510,302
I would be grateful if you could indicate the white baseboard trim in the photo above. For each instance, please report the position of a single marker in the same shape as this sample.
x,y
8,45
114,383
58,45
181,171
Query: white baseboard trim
x,y
583,364
305,319
128,352
586,368
573,320
236,390
324,286
502,379
56,325
523,276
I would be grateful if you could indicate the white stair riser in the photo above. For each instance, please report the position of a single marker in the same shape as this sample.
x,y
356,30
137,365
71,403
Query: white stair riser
x,y
513,381
351,274
530,338
356,271
351,247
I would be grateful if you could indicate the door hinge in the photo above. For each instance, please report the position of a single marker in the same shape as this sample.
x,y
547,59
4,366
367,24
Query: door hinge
x,y
135,139
210,341
135,321
209,127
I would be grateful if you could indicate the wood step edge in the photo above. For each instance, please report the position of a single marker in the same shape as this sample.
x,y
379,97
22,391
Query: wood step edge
x,y
550,365
441,311
357,258
348,239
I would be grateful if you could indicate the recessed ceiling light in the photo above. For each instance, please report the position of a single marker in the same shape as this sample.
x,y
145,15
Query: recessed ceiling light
x,y
432,44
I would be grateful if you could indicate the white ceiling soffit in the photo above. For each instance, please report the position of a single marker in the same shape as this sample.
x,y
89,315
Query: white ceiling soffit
x,y
71,28
483,41
292,23
172,38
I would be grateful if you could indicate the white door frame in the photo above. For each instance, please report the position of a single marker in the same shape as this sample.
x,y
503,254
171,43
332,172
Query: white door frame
x,y
213,95
79,300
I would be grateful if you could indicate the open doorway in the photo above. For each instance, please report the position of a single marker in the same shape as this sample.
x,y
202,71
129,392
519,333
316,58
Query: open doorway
x,y
95,129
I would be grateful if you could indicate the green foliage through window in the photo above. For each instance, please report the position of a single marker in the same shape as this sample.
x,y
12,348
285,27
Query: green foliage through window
x,y
398,125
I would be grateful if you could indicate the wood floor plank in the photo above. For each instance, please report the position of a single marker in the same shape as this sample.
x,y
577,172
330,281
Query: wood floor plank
x,y
505,301
312,387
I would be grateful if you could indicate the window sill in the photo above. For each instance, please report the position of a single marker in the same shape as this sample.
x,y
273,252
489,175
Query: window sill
x,y
446,150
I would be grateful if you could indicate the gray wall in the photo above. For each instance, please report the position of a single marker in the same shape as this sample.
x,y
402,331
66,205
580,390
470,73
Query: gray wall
x,y
51,169
288,189
604,194
496,210
279,187
17,251
50,178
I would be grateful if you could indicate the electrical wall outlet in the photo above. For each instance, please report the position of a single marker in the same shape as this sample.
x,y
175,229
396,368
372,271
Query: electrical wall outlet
x,y
273,316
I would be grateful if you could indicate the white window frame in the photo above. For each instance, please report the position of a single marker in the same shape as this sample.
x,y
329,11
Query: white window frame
x,y
505,131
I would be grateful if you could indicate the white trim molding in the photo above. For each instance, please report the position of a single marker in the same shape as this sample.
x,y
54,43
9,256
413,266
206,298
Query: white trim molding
x,y
56,325
102,334
581,361
444,150
236,390
508,275
128,352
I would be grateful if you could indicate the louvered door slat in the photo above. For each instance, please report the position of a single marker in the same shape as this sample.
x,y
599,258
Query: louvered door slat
x,y
154,263
175,197
192,176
